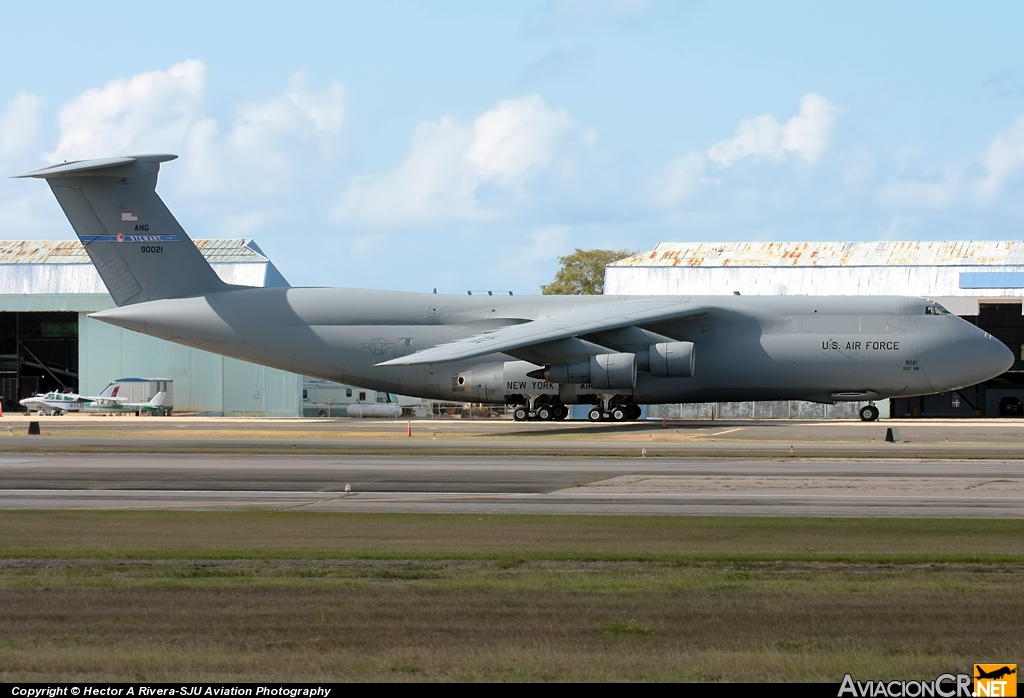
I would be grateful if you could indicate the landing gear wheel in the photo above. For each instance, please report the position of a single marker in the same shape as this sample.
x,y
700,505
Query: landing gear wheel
x,y
560,412
544,413
520,414
633,412
619,414
868,413
595,414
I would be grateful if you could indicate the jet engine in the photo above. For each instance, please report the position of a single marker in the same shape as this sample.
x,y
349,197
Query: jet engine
x,y
669,360
602,372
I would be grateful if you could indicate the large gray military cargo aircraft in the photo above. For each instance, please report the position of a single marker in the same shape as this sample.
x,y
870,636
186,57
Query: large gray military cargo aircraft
x,y
538,353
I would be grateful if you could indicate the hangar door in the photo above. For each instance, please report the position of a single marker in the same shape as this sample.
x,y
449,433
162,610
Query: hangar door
x,y
38,353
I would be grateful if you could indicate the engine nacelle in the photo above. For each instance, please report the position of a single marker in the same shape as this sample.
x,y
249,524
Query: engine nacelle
x,y
602,372
671,360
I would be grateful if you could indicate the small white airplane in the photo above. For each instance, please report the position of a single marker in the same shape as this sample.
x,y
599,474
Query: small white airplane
x,y
111,405
53,403
56,402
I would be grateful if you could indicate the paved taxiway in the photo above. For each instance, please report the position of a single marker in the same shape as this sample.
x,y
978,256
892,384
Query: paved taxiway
x,y
988,438
517,484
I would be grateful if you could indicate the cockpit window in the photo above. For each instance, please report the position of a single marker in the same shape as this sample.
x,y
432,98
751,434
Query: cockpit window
x,y
935,310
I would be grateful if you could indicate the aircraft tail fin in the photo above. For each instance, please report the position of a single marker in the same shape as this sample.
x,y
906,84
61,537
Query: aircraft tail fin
x,y
158,400
139,249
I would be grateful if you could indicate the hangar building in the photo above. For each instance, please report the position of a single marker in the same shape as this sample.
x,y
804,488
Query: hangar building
x,y
48,341
981,281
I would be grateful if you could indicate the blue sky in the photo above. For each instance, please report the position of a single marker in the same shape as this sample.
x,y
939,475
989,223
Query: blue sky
x,y
466,145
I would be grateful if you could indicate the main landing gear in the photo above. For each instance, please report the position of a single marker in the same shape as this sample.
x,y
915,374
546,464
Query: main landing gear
x,y
868,413
616,413
556,411
544,412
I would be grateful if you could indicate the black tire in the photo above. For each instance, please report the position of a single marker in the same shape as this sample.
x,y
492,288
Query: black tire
x,y
869,413
619,414
561,412
634,412
596,414
545,413
520,414
321,413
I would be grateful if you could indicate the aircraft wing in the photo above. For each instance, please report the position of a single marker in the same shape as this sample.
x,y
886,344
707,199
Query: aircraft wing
x,y
571,323
101,400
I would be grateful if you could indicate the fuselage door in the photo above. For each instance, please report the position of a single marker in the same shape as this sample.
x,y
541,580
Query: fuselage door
x,y
435,314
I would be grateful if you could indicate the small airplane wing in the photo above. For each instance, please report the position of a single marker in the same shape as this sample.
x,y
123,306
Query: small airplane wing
x,y
107,397
561,326
156,402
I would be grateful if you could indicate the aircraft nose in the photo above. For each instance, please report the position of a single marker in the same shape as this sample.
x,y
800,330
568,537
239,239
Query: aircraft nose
x,y
985,358
964,355
998,358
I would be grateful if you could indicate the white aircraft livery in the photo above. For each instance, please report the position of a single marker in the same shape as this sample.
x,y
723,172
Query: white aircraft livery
x,y
538,353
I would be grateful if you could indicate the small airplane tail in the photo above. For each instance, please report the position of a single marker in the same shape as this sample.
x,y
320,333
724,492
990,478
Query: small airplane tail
x,y
139,249
158,400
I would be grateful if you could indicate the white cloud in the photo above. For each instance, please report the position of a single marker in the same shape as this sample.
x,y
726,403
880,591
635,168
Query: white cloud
x,y
1005,155
19,125
146,112
259,151
806,135
160,111
515,139
449,164
268,147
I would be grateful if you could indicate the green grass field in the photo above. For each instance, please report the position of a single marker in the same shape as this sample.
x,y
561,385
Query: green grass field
x,y
180,596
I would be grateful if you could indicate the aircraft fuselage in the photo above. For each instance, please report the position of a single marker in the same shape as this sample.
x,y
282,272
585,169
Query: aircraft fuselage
x,y
821,348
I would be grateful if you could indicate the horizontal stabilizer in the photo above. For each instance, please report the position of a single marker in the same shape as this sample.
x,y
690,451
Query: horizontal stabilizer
x,y
80,168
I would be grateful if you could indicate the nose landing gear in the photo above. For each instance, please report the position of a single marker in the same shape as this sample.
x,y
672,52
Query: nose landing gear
x,y
868,413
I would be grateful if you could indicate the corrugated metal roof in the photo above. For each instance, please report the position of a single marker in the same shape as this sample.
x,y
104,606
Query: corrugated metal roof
x,y
63,266
829,254
233,251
